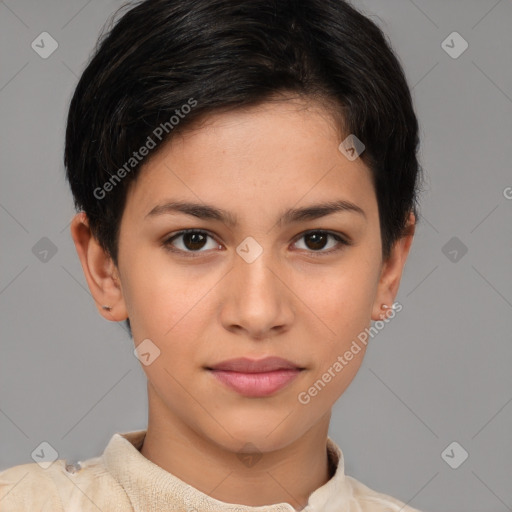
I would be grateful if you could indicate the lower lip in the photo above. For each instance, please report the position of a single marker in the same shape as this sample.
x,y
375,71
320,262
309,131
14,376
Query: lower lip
x,y
256,384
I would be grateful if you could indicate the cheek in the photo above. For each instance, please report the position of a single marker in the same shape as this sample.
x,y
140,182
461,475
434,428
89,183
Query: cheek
x,y
153,290
169,303
342,299
339,309
167,309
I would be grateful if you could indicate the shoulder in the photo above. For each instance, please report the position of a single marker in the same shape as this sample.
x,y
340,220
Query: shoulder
x,y
373,501
28,487
61,488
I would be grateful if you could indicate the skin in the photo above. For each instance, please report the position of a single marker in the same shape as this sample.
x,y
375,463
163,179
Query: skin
x,y
292,301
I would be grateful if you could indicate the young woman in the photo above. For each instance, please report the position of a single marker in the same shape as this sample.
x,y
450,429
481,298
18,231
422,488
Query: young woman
x,y
245,174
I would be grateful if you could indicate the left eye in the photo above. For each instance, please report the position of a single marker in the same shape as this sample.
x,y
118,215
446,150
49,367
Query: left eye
x,y
193,240
317,239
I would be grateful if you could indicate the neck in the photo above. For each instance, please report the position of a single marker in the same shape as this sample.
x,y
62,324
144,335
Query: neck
x,y
289,473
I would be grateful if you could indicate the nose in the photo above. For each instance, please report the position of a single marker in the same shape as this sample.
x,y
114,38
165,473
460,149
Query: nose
x,y
256,297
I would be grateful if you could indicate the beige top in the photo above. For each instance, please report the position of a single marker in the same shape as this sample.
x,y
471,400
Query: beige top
x,y
123,480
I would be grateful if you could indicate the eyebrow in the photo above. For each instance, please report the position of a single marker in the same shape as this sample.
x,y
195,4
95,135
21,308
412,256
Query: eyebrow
x,y
293,215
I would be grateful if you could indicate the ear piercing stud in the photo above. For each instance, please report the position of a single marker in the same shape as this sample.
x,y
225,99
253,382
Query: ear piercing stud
x,y
383,306
108,308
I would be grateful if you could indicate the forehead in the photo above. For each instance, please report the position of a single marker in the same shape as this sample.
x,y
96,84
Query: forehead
x,y
257,158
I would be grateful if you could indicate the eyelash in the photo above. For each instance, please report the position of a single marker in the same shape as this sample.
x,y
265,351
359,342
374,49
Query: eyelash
x,y
167,243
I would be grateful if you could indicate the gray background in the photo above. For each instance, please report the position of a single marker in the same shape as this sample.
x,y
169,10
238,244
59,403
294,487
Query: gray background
x,y
439,372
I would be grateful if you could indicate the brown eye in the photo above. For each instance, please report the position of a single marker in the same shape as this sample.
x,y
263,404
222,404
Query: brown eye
x,y
317,240
192,240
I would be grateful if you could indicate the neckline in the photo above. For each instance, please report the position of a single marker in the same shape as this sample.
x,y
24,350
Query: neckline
x,y
136,474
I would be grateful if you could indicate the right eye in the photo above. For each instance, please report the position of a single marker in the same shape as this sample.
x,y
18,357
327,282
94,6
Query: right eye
x,y
192,240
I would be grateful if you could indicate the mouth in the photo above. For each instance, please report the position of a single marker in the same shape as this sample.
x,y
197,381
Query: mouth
x,y
253,378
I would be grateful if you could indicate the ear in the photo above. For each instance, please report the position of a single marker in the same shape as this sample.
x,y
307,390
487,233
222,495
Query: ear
x,y
101,274
392,269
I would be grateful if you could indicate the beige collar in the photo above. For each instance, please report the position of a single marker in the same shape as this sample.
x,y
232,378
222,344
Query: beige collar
x,y
150,487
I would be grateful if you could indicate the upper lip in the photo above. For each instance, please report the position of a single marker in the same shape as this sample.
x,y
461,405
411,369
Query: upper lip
x,y
246,365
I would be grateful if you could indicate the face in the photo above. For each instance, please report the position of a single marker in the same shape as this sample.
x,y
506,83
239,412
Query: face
x,y
253,279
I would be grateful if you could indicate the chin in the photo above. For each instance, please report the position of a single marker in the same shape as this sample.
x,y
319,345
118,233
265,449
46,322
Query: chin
x,y
266,434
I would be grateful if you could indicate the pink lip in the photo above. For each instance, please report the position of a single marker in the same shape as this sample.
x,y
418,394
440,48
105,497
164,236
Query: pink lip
x,y
256,378
246,365
256,384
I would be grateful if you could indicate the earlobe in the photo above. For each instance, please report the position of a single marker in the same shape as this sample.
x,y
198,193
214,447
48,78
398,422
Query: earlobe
x,y
392,270
99,270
